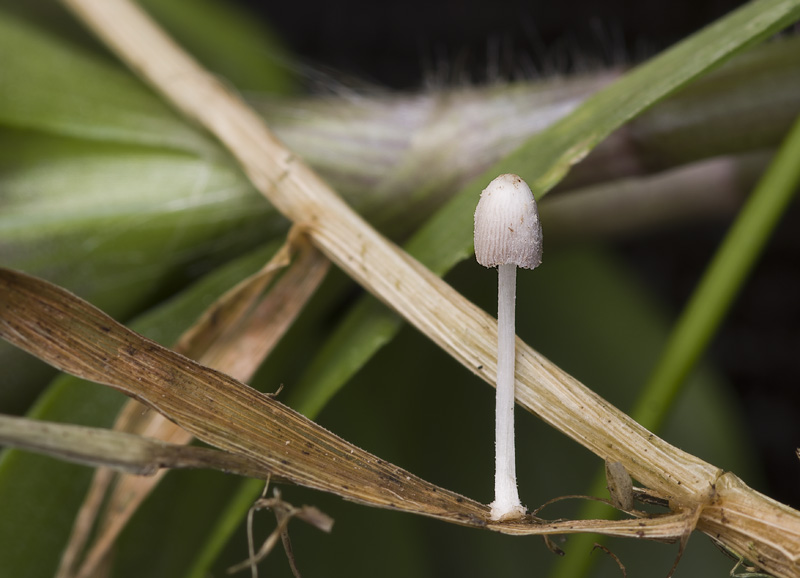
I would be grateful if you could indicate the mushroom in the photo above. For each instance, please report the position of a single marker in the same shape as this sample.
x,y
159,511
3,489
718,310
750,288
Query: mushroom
x,y
507,235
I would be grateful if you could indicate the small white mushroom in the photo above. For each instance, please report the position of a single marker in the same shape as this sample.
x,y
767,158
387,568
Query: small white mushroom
x,y
507,235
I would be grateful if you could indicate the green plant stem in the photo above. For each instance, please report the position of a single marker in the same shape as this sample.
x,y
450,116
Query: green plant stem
x,y
721,283
702,316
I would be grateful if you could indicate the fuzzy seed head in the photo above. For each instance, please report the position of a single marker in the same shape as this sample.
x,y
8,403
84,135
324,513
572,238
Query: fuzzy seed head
x,y
507,228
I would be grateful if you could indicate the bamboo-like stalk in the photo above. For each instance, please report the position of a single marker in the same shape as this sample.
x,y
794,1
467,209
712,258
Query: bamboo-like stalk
x,y
759,528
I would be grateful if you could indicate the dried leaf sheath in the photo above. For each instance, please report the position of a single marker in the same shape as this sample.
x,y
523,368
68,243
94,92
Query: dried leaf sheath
x,y
76,337
233,336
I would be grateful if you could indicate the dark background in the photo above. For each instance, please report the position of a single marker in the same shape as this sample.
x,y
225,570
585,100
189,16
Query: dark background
x,y
399,44
411,45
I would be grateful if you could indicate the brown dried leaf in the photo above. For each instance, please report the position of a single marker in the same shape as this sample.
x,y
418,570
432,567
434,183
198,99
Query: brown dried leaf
x,y
237,332
73,336
234,335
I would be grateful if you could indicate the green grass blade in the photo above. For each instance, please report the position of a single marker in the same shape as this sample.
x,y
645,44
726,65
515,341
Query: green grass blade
x,y
71,208
721,282
97,174
121,225
52,86
225,526
229,41
225,37
367,327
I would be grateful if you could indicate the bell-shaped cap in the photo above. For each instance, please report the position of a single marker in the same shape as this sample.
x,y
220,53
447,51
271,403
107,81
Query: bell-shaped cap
x,y
507,228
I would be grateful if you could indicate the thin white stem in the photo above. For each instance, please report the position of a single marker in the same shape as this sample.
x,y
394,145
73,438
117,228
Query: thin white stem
x,y
506,504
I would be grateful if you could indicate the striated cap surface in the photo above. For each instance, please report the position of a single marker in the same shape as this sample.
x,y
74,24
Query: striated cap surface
x,y
507,228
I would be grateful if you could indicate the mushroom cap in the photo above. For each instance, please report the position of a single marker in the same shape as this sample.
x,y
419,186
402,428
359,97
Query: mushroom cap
x,y
507,228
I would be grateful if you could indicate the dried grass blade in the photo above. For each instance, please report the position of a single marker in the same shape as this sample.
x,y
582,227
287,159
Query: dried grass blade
x,y
234,335
222,318
66,332
240,350
84,522
75,337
